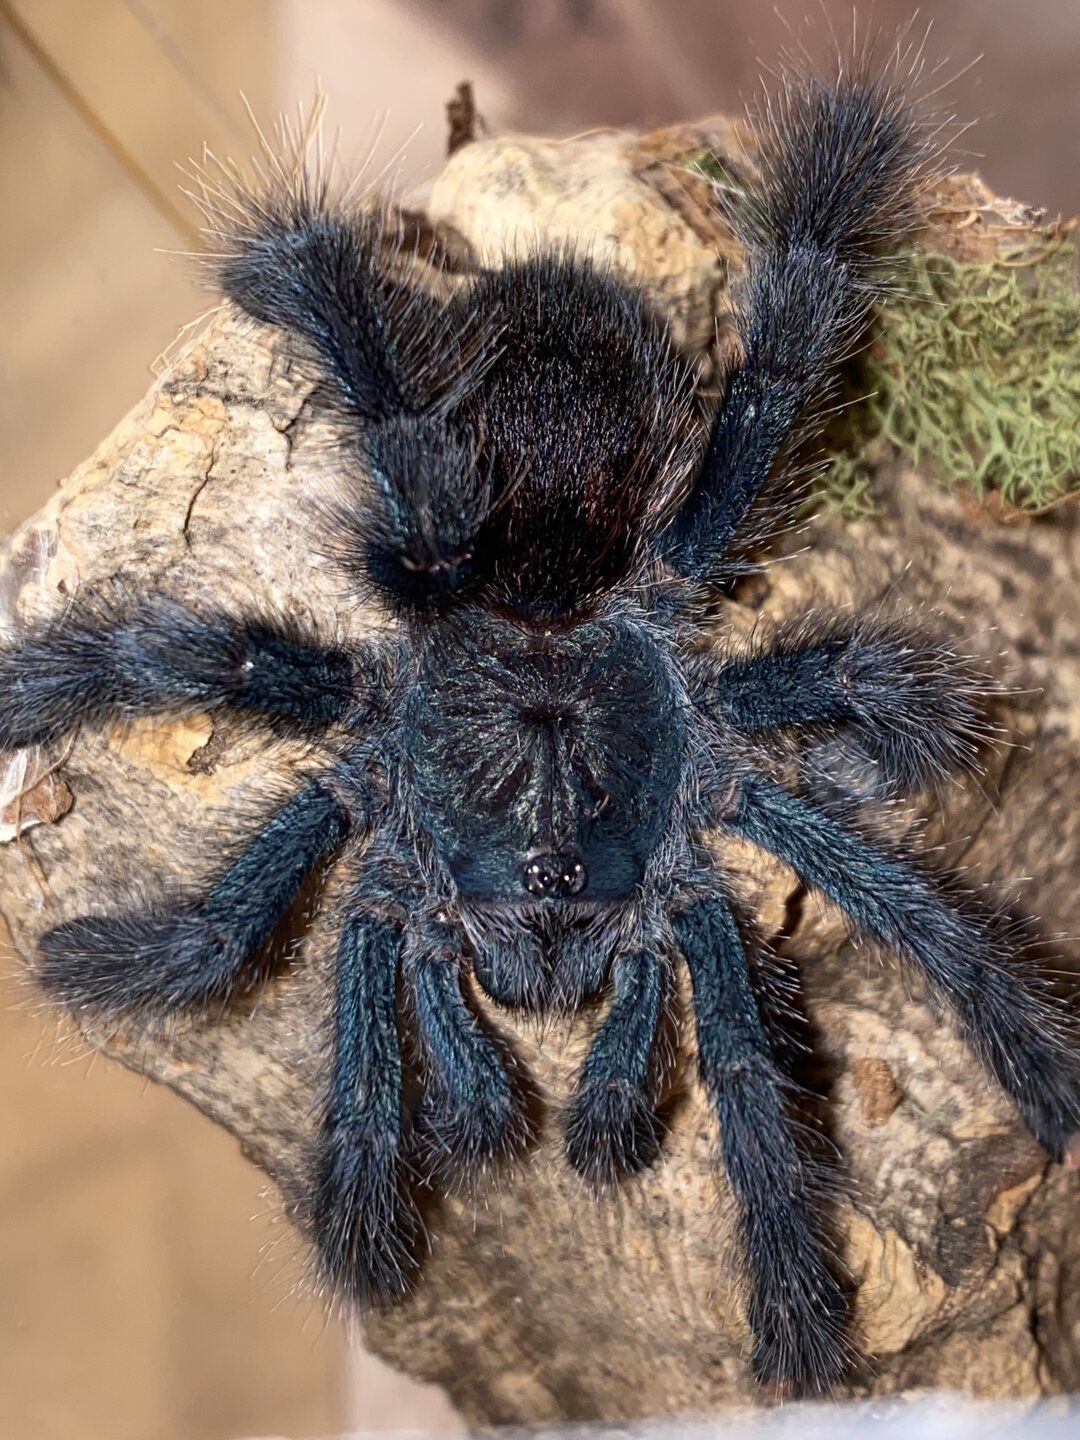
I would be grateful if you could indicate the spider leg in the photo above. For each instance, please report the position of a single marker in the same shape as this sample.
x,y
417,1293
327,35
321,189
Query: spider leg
x,y
366,1226
180,955
511,969
396,360
470,1112
100,662
1007,1015
796,1307
840,166
913,704
612,1128
328,276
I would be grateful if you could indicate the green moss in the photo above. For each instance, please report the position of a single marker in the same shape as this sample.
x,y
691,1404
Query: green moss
x,y
708,165
975,379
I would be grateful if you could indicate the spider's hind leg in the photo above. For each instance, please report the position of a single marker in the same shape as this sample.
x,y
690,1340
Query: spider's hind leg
x,y
395,360
796,1306
841,167
291,257
183,955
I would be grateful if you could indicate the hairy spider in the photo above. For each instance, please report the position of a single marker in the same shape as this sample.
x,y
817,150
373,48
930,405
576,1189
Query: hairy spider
x,y
521,780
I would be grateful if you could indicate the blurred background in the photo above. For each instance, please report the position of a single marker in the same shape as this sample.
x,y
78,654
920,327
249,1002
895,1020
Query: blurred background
x,y
146,1289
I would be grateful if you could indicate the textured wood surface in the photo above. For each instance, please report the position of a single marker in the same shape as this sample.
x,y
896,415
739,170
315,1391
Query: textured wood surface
x,y
540,1302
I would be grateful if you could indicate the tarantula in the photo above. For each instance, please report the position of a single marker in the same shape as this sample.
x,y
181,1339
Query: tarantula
x,y
535,758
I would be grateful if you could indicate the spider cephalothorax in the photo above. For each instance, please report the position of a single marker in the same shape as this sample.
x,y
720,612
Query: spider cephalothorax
x,y
573,793
521,782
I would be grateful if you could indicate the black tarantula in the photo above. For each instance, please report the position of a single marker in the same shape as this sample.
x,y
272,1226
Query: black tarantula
x,y
534,760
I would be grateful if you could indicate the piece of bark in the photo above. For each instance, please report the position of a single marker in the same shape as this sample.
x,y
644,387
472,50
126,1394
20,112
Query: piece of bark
x,y
540,1302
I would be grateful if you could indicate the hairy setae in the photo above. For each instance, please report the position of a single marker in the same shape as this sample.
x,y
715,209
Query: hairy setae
x,y
520,783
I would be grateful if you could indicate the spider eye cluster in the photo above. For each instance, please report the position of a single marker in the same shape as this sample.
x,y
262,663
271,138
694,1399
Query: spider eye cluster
x,y
557,876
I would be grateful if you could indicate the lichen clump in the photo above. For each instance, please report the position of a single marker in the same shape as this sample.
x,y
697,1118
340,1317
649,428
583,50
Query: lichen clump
x,y
974,378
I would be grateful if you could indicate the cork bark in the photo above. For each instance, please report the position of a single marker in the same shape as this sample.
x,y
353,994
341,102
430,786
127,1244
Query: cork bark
x,y
539,1301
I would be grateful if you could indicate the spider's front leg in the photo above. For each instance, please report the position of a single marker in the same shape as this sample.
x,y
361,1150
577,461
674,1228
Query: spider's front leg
x,y
179,955
368,1230
366,1226
1007,1014
472,1111
911,702
796,1307
612,1127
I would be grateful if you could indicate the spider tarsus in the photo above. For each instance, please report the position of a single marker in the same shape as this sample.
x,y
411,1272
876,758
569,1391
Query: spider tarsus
x,y
612,1131
911,704
917,708
155,963
367,1230
801,1343
456,1138
1049,1102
